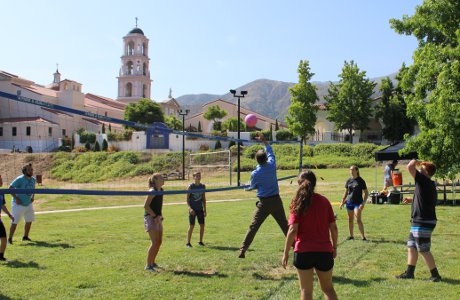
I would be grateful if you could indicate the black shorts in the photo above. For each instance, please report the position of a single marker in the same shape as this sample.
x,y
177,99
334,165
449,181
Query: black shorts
x,y
2,230
199,214
321,261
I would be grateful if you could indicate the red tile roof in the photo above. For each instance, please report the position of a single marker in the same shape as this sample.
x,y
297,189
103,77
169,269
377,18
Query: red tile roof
x,y
26,119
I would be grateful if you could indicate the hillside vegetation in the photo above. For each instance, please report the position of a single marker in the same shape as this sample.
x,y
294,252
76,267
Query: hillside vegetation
x,y
100,166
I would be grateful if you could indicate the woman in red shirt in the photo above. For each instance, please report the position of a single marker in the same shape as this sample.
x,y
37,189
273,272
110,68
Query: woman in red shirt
x,y
312,227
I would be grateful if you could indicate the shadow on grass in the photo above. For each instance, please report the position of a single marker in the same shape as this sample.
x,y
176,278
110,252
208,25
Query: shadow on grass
x,y
20,264
355,282
200,274
451,281
49,245
223,248
259,276
383,241
3,297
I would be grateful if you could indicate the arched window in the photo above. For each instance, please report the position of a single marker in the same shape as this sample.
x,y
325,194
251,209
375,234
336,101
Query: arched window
x,y
144,49
131,48
130,68
144,91
129,89
144,69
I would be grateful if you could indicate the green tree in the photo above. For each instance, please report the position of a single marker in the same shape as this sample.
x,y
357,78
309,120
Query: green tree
x,y
432,82
97,147
393,110
103,128
231,124
110,128
105,145
349,101
199,126
173,122
213,114
301,118
277,127
144,111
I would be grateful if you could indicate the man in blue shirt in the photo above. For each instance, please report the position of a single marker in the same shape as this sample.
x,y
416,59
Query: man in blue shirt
x,y
22,203
263,178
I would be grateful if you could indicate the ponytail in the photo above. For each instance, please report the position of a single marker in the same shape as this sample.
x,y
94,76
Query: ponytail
x,y
303,197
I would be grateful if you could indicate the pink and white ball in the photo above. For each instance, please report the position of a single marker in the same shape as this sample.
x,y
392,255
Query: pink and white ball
x,y
250,120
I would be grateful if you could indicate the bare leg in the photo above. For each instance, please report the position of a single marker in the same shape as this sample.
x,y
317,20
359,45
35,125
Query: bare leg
x,y
360,222
306,284
412,256
325,281
350,221
201,232
189,233
2,245
429,260
157,244
27,228
12,230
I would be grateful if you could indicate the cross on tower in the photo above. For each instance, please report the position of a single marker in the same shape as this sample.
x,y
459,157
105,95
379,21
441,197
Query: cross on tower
x,y
136,22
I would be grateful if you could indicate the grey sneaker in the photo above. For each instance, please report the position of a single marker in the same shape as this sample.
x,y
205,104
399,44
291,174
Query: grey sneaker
x,y
435,279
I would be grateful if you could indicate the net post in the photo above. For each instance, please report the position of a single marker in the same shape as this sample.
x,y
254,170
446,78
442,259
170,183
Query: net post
x,y
301,155
230,165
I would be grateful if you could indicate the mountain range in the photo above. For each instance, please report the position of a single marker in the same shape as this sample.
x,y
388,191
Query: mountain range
x,y
267,97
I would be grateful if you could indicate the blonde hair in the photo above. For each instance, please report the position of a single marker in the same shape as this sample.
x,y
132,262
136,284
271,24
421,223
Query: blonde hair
x,y
153,179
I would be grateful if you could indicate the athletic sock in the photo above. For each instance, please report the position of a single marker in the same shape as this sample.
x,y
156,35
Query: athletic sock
x,y
410,269
435,273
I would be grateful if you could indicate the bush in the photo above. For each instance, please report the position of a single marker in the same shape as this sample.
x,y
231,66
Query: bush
x,y
341,149
79,149
266,134
204,147
218,145
284,135
87,146
250,152
120,136
87,137
64,148
113,148
231,143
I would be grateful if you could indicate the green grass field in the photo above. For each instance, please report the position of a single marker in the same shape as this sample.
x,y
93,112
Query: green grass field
x,y
100,254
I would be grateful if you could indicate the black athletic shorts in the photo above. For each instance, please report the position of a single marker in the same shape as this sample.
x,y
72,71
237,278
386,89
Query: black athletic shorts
x,y
2,230
321,261
199,214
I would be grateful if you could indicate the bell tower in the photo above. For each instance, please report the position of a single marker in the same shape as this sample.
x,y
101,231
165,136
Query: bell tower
x,y
134,77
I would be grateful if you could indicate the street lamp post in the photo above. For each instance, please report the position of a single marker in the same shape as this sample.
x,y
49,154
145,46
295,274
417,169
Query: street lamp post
x,y
241,95
183,113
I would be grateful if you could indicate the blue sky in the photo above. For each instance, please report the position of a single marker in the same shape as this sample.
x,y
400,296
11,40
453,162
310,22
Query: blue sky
x,y
201,46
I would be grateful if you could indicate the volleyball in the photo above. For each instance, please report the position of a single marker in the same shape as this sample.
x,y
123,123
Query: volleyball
x,y
250,120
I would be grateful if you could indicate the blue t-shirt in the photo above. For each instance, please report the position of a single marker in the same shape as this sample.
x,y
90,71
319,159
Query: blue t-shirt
x,y
263,178
195,200
21,182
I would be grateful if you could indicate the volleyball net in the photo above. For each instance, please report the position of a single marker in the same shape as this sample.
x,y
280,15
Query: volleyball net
x,y
118,152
